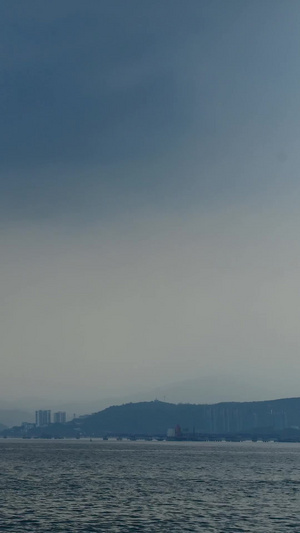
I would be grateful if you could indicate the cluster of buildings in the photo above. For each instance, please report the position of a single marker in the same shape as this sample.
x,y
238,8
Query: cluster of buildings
x,y
44,417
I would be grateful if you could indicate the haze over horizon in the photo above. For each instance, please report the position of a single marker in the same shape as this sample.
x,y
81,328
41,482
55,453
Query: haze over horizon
x,y
149,193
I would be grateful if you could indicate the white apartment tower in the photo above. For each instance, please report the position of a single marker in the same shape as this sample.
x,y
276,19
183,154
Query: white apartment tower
x,y
59,417
43,418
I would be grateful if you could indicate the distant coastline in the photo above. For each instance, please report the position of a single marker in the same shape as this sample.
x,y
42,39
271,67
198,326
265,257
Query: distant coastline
x,y
264,420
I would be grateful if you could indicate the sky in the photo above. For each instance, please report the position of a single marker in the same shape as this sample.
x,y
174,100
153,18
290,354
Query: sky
x,y
149,198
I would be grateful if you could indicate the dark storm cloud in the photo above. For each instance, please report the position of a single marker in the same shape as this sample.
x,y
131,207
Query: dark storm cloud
x,y
131,96
84,83
88,80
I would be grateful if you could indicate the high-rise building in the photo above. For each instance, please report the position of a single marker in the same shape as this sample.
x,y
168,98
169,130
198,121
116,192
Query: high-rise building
x,y
43,417
60,417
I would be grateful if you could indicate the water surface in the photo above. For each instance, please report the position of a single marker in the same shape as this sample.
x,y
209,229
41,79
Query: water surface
x,y
82,486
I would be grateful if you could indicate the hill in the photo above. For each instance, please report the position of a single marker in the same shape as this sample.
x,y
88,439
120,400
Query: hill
x,y
148,418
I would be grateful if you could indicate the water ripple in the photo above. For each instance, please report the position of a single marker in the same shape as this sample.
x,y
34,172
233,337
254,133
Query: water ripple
x,y
71,486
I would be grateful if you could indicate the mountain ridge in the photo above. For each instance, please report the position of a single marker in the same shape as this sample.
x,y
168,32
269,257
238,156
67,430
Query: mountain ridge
x,y
156,417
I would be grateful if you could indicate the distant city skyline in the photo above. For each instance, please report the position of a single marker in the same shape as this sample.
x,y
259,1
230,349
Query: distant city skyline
x,y
43,417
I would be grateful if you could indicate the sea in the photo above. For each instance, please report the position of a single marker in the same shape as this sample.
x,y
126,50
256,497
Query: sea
x,y
119,486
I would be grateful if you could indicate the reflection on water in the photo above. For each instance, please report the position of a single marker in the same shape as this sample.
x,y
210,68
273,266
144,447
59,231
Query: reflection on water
x,y
72,486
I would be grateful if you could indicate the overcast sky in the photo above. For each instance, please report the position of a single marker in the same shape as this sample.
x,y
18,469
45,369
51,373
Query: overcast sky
x,y
149,195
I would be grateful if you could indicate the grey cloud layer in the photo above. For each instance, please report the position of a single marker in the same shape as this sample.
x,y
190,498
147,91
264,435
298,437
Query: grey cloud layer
x,y
111,98
166,299
149,193
74,75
